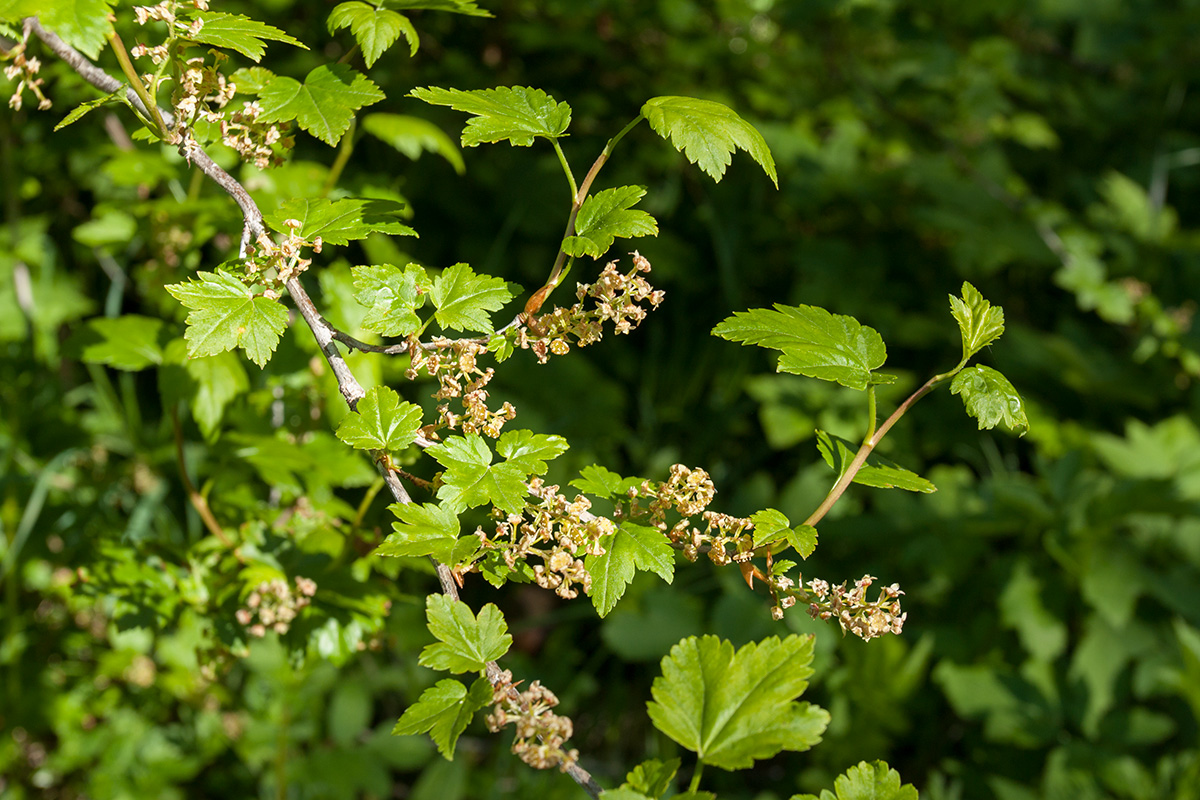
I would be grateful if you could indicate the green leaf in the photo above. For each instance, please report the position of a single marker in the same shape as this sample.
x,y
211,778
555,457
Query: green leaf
x,y
877,472
771,526
979,323
467,7
466,642
733,708
628,549
339,221
529,451
80,110
130,342
606,215
517,114
991,399
381,421
652,778
602,482
392,297
470,478
252,80
375,29
323,105
427,530
412,136
462,298
206,385
227,314
815,343
240,33
875,781
443,711
707,133
83,24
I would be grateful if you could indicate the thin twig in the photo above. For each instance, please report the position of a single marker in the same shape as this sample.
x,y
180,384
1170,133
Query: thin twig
x,y
198,501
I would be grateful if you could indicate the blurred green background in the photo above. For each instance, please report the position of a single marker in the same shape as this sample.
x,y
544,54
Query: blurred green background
x,y
1044,150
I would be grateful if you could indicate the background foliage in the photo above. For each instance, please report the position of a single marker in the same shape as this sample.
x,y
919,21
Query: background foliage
x,y
1044,151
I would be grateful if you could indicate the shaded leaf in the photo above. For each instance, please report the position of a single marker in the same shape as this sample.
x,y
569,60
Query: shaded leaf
x,y
733,708
878,471
815,343
443,711
629,549
606,215
240,33
130,342
381,421
707,133
339,221
375,29
413,135
979,323
991,399
84,108
392,297
467,7
652,778
466,642
462,298
517,114
323,105
227,314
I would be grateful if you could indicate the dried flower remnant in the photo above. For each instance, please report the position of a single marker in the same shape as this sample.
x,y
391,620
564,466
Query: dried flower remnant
x,y
274,605
616,297
540,732
455,365
285,258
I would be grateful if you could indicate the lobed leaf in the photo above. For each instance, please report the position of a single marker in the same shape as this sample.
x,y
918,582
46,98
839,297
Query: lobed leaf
x,y
443,711
517,114
83,24
652,777
470,479
239,32
323,105
602,482
381,421
466,642
630,548
877,472
733,708
427,530
772,526
226,314
413,135
874,781
707,133
392,297
462,298
467,7
815,343
206,385
339,221
991,399
605,216
530,451
375,29
979,323
78,112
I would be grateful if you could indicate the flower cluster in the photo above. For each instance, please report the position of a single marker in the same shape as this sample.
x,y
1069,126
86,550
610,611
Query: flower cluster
x,y
286,257
455,365
274,605
616,297
254,140
559,532
27,69
853,612
165,12
540,732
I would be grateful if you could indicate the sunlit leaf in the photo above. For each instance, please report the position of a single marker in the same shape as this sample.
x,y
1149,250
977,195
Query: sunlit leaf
x,y
707,133
339,221
990,398
375,29
443,711
979,323
240,33
471,479
323,105
465,642
606,215
392,297
517,114
381,421
878,471
227,314
463,299
629,549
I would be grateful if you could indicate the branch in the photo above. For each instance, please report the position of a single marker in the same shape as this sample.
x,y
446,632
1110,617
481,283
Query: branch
x,y
324,333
